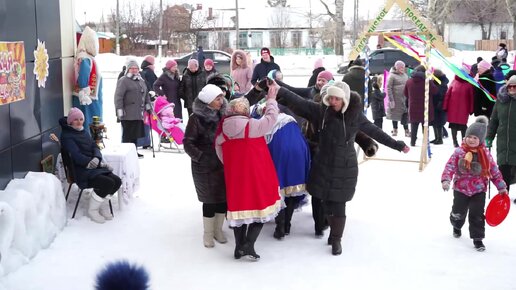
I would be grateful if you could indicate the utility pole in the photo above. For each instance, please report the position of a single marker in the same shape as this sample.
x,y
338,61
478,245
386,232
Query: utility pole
x,y
237,28
117,28
160,30
355,21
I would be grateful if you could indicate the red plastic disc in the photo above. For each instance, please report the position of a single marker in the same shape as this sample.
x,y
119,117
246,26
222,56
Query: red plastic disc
x,y
497,209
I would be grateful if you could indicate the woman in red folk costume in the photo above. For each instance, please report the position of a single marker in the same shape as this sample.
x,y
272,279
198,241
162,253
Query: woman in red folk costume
x,y
87,89
252,188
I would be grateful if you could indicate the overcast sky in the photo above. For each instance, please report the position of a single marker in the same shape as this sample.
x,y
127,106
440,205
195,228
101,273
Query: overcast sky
x,y
91,10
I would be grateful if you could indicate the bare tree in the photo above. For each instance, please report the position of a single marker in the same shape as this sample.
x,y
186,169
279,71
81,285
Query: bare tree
x,y
485,13
511,7
339,24
438,12
275,3
280,20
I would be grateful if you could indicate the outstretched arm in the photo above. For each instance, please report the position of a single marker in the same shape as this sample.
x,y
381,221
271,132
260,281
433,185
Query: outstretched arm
x,y
379,135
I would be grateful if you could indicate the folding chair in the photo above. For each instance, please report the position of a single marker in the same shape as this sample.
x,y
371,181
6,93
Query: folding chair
x,y
71,178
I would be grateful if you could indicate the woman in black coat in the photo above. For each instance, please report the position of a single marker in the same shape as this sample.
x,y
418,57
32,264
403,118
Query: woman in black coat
x,y
168,85
207,170
90,169
334,170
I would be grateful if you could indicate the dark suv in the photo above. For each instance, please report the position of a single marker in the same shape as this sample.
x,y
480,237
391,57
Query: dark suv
x,y
220,58
384,59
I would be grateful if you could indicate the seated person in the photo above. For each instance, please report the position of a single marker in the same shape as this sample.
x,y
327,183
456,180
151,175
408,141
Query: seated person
x,y
90,170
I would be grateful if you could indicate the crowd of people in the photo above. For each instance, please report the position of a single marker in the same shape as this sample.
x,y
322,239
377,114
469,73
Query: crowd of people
x,y
312,129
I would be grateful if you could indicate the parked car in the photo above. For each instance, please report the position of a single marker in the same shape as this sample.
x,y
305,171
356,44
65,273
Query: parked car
x,y
220,58
384,59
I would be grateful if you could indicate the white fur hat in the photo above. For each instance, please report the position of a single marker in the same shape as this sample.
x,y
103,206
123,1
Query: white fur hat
x,y
209,93
89,42
337,89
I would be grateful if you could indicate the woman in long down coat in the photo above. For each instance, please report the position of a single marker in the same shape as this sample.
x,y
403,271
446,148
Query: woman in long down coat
x,y
207,171
334,171
458,103
397,106
415,93
252,186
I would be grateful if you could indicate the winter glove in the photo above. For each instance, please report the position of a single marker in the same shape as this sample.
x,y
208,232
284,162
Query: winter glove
x,y
119,113
152,96
391,104
94,163
446,185
84,97
401,146
489,142
371,150
105,165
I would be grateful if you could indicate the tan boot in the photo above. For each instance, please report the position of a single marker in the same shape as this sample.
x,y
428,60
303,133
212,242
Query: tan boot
x,y
394,132
209,232
219,223
93,208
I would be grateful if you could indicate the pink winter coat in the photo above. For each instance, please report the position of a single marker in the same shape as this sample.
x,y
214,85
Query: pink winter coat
x,y
234,126
458,102
466,182
241,74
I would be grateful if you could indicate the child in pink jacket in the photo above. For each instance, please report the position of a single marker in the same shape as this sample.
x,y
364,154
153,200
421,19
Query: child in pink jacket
x,y
471,166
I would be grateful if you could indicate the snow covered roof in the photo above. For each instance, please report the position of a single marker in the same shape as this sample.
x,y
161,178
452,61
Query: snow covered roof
x,y
269,18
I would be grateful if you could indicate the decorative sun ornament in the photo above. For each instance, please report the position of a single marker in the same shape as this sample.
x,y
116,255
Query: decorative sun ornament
x,y
41,63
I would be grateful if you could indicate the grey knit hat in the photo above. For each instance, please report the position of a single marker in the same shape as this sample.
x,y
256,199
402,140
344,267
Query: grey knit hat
x,y
512,80
478,128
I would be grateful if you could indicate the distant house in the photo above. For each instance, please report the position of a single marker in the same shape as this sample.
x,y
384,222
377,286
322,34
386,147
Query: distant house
x,y
463,26
273,27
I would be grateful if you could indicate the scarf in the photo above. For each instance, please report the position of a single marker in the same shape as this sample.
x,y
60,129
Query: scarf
x,y
482,158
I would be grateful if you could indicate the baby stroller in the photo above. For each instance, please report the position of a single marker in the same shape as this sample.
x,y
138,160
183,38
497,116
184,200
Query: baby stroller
x,y
170,129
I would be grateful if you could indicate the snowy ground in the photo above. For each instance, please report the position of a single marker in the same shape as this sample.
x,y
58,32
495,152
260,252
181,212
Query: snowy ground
x,y
397,234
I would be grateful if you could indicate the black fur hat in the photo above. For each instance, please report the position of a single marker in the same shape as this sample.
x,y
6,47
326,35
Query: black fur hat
x,y
121,275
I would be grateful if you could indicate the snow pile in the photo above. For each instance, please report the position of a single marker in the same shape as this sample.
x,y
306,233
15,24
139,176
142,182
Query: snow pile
x,y
32,213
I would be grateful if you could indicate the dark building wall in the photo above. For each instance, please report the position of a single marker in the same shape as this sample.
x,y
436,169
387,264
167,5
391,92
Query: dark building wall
x,y
25,125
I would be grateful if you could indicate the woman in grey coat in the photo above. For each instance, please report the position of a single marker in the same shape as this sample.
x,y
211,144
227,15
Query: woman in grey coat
x,y
131,100
397,106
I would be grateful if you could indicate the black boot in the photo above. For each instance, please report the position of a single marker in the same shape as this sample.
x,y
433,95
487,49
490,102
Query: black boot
x,y
253,232
289,212
240,234
279,232
438,133
319,217
454,138
337,229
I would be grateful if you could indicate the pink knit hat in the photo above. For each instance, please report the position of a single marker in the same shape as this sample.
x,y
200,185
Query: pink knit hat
x,y
327,75
208,62
318,63
73,115
483,66
170,64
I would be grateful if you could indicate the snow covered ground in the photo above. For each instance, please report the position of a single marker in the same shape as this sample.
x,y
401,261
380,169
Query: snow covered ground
x,y
397,235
